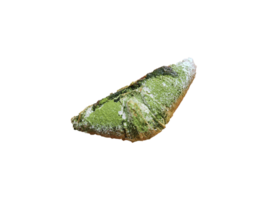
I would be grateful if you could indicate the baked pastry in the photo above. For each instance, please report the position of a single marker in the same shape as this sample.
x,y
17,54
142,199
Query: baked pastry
x,y
142,109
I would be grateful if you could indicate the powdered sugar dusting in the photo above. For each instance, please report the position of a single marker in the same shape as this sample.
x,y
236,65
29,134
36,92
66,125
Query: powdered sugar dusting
x,y
189,68
88,112
144,109
121,112
147,90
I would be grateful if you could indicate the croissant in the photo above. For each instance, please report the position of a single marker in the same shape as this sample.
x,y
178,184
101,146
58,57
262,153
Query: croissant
x,y
141,110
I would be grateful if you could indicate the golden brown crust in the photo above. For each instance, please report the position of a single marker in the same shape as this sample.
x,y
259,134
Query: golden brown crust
x,y
112,134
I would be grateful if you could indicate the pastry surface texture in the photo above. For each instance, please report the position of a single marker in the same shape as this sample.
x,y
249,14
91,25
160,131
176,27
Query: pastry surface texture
x,y
141,110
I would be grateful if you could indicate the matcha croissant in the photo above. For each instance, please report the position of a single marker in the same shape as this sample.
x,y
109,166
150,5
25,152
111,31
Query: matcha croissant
x,y
142,109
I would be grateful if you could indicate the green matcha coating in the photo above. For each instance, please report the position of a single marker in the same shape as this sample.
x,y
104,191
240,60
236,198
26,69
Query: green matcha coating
x,y
183,71
106,115
163,89
137,110
156,108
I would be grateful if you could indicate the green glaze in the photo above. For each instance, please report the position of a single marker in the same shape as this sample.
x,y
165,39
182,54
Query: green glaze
x,y
140,110
163,90
106,115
